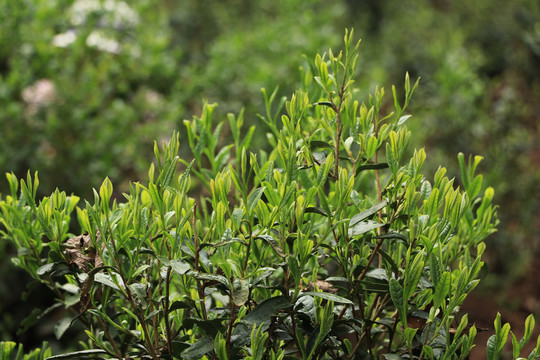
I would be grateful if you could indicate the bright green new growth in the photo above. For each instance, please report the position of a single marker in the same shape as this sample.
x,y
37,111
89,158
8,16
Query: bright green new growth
x,y
331,245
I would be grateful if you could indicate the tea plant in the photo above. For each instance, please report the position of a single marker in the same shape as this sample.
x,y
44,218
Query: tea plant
x,y
330,246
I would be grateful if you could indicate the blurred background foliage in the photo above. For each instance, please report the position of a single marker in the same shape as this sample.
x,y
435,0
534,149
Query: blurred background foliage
x,y
87,85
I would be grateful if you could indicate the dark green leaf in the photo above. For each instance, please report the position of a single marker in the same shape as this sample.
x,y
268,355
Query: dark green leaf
x,y
262,312
379,166
198,349
35,316
317,144
263,276
179,305
273,243
326,103
396,292
211,277
394,235
315,210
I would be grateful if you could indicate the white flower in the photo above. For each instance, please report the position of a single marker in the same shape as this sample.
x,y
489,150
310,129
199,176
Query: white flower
x,y
65,39
100,41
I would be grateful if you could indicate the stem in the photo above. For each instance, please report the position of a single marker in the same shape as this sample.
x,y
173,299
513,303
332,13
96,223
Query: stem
x,y
200,289
231,322
248,250
108,335
293,321
367,328
370,260
138,310
166,310
270,336
339,126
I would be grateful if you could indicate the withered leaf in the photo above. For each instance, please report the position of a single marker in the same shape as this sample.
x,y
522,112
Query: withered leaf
x,y
81,252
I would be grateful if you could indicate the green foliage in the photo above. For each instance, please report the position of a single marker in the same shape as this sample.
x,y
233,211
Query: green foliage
x,y
479,68
10,350
333,244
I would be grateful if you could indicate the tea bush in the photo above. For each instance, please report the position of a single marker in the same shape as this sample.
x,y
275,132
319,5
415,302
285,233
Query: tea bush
x,y
331,245
480,82
78,111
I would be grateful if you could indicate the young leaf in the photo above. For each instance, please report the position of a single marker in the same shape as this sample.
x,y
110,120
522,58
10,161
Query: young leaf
x,y
254,198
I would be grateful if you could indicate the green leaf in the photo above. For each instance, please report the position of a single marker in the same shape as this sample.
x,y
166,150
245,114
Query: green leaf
x,y
237,216
6,348
253,199
156,198
379,166
61,326
198,349
241,291
42,270
179,266
435,269
35,316
273,243
294,269
403,119
388,259
106,279
317,144
529,327
328,296
516,348
211,277
396,293
491,348
140,291
442,289
78,354
363,227
367,213
412,276
315,210
220,346
179,305
262,312
463,170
